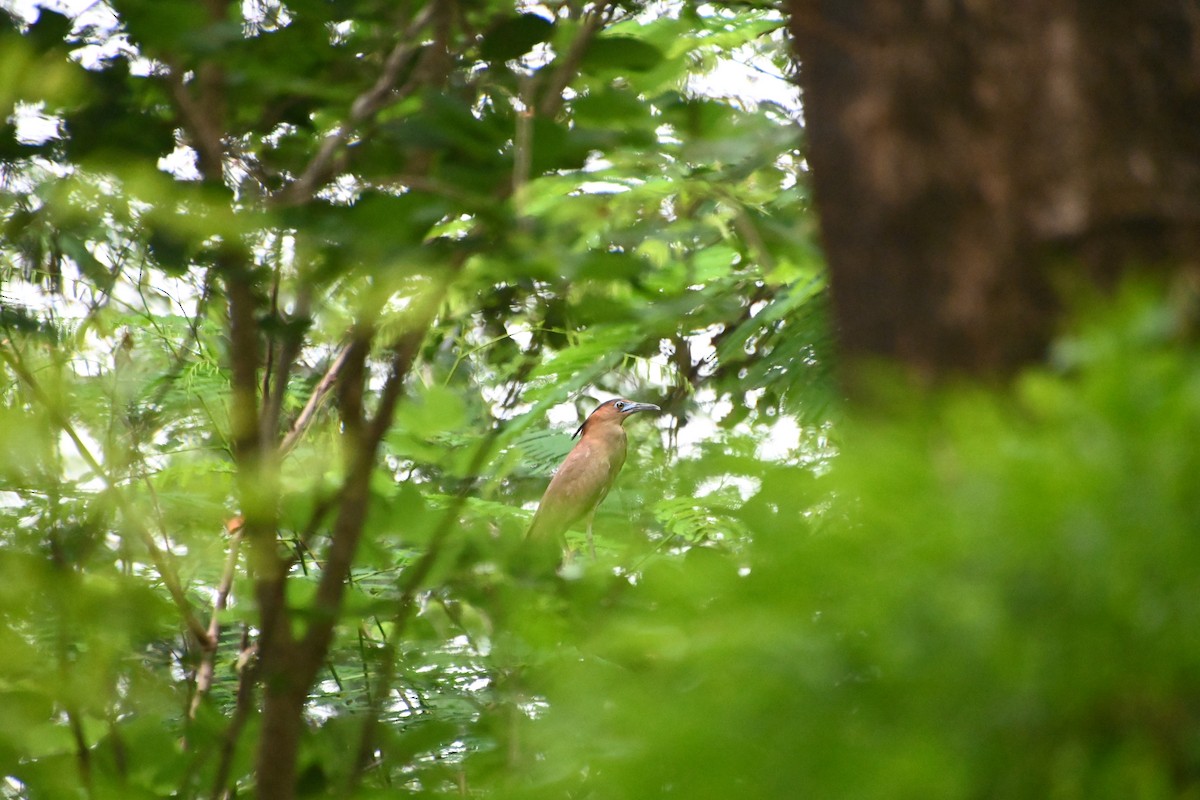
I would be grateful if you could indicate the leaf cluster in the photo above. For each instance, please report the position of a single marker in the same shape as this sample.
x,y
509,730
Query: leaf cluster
x,y
254,247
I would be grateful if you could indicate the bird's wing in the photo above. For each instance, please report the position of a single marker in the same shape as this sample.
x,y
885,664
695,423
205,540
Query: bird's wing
x,y
578,486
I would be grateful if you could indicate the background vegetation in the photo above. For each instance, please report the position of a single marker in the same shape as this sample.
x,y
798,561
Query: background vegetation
x,y
300,304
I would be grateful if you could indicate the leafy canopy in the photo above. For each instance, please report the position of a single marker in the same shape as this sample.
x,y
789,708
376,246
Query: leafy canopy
x,y
300,303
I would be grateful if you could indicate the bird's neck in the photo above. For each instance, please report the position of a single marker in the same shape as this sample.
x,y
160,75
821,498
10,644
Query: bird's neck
x,y
610,434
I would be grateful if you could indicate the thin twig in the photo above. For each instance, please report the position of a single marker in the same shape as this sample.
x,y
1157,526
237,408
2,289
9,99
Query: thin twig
x,y
315,400
247,678
208,653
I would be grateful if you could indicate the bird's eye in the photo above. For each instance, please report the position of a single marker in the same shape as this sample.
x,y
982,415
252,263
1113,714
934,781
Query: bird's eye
x,y
619,405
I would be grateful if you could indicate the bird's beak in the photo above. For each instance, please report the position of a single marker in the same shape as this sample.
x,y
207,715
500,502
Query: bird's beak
x,y
633,408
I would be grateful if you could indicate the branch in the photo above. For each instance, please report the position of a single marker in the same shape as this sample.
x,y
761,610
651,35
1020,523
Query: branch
x,y
204,673
257,477
415,579
593,21
83,757
273,396
204,117
247,678
201,118
254,457
269,367
315,400
404,355
364,106
355,496
293,665
243,357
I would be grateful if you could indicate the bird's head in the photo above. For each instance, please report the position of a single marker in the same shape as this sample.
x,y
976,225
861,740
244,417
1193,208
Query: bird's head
x,y
615,411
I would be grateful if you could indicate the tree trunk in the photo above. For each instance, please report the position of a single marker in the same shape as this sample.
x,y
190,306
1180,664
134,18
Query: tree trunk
x,y
968,156
282,726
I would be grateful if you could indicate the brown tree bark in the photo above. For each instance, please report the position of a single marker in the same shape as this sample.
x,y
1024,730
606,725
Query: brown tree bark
x,y
967,154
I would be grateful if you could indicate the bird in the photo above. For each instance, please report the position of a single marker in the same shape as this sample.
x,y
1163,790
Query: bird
x,y
587,473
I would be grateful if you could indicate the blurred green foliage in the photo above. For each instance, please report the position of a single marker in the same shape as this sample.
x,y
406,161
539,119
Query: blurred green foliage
x,y
991,593
983,593
634,234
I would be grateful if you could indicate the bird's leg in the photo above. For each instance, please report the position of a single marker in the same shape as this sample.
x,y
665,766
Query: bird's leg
x,y
590,541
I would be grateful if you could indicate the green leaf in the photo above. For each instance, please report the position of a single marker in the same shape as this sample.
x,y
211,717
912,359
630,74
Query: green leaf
x,y
515,36
621,53
435,409
181,25
609,107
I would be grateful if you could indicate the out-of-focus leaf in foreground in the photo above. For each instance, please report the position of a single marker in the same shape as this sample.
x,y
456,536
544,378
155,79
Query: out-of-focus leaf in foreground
x,y
999,600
